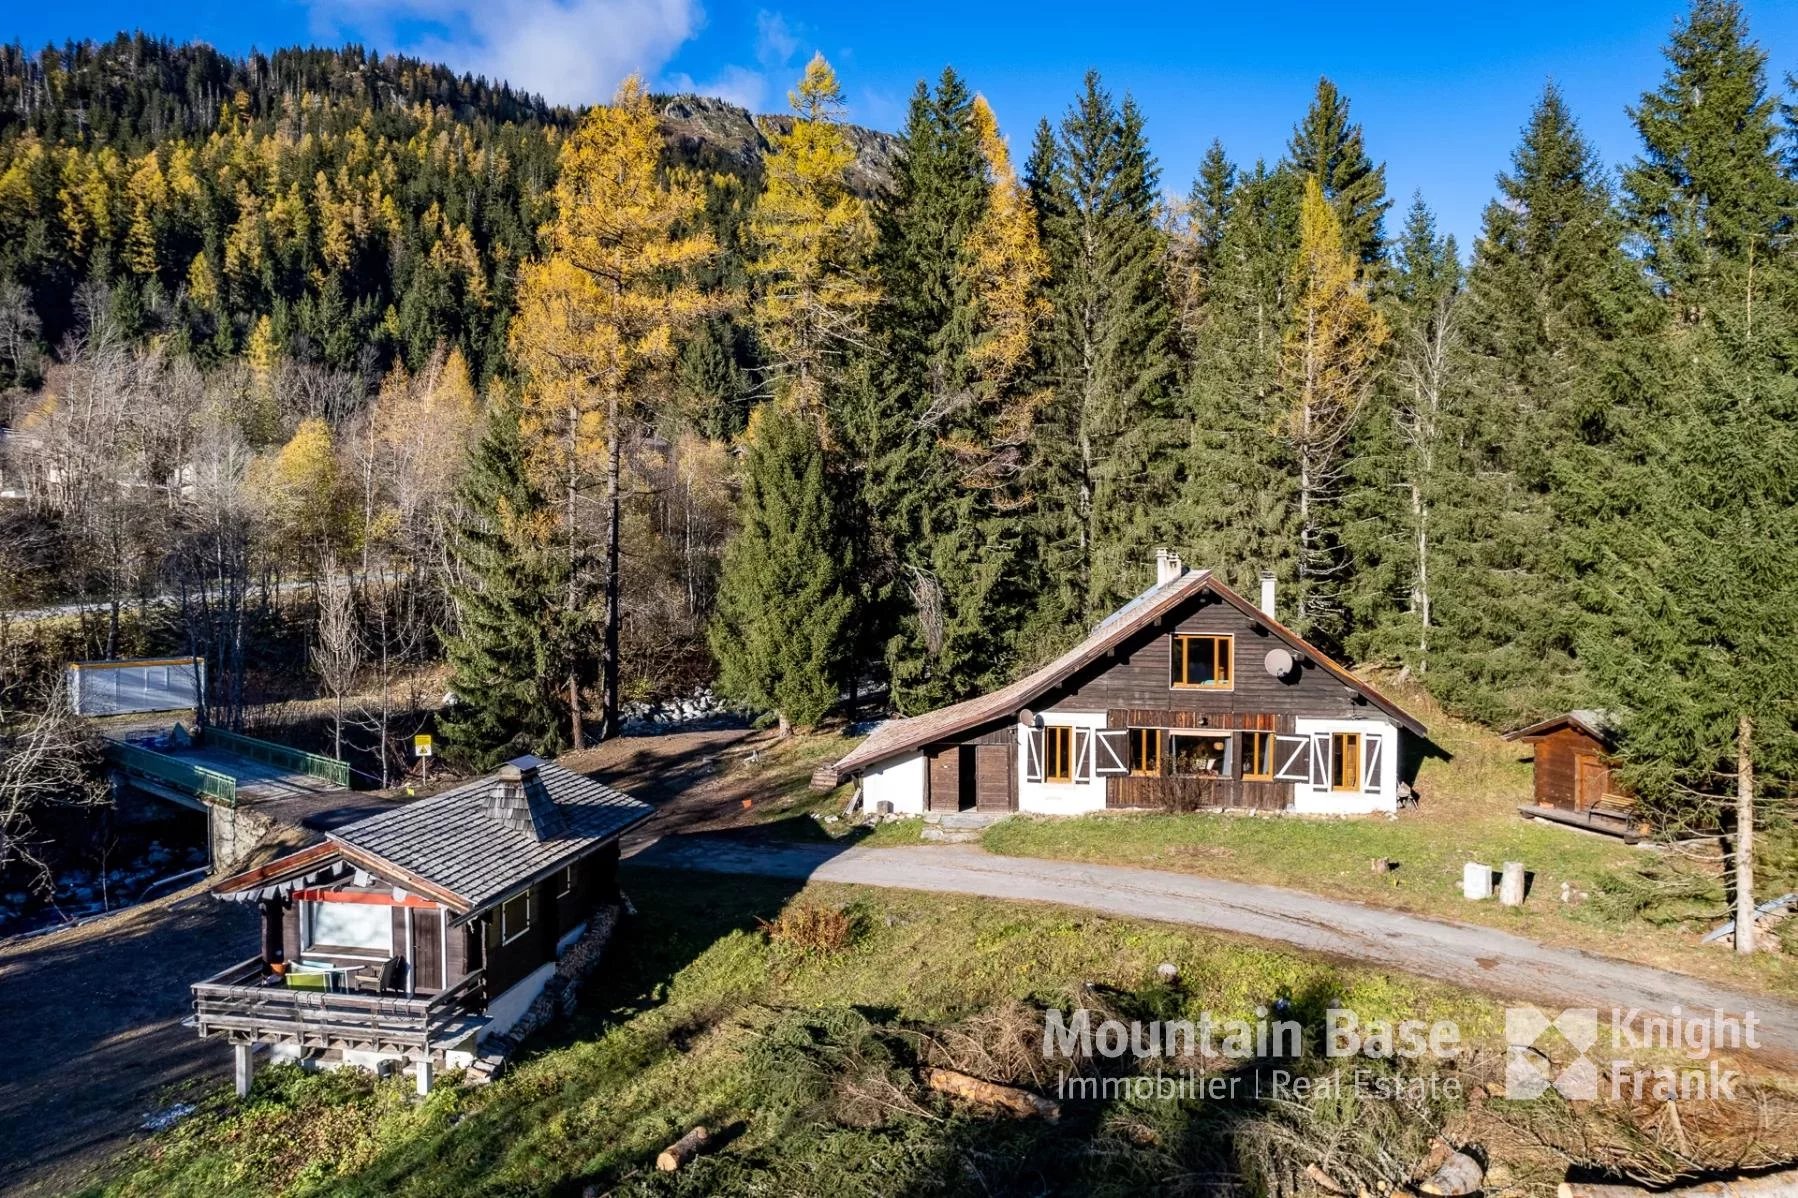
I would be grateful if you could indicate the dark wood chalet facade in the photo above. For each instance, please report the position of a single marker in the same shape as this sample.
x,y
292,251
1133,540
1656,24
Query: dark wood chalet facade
x,y
1186,698
415,934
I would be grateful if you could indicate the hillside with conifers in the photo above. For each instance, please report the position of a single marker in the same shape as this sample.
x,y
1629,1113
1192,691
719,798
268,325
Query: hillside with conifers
x,y
351,374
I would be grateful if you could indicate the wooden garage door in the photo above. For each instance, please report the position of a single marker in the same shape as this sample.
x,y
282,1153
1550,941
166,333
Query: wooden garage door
x,y
993,790
945,778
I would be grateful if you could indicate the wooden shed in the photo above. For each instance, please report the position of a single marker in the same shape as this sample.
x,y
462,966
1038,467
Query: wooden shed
x,y
1575,782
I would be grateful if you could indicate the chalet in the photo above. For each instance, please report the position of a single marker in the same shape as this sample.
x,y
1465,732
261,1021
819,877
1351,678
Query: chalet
x,y
1187,697
1575,783
416,935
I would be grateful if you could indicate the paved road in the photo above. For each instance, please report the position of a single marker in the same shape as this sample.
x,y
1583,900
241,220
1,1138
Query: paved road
x,y
95,1042
1473,957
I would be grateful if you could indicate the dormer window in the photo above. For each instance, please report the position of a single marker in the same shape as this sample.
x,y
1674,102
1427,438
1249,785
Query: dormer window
x,y
1204,661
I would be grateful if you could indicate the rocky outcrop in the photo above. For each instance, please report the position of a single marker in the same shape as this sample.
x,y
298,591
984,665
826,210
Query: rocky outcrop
x,y
715,135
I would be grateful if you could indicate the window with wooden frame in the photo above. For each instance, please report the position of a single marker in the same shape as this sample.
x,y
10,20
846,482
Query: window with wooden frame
x,y
514,917
1058,753
1198,755
1345,761
1204,661
1145,752
567,887
1258,756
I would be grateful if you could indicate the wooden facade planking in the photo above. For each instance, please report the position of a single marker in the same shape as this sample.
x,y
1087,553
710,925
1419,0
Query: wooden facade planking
x,y
1131,790
1138,674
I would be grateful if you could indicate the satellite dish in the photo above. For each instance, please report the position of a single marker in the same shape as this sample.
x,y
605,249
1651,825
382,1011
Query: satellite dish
x,y
1027,718
1280,662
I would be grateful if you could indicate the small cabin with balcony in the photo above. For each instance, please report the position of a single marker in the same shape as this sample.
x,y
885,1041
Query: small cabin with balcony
x,y
415,935
1186,698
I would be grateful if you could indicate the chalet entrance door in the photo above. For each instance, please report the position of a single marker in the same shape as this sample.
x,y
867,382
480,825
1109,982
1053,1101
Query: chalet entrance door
x,y
1590,780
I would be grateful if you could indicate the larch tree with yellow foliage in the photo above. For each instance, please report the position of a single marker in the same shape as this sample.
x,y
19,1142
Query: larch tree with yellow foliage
x,y
1006,268
810,242
597,320
1327,369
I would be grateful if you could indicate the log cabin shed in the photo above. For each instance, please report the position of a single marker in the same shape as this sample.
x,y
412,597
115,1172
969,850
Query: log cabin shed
x,y
1188,697
1574,780
415,935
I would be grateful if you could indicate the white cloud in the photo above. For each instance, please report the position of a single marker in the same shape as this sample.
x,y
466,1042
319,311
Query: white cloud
x,y
775,42
569,51
740,85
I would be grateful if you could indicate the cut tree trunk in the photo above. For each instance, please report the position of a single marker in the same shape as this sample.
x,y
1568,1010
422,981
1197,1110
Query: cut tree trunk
x,y
1511,885
1745,834
1460,1174
683,1150
1010,1099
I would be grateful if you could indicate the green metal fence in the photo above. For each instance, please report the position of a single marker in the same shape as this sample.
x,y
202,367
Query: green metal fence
x,y
294,761
195,780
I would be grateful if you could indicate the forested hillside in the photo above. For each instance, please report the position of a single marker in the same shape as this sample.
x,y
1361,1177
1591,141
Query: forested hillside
x,y
605,403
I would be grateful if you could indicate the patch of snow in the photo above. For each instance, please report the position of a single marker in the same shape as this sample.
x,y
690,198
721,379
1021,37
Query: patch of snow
x,y
169,1116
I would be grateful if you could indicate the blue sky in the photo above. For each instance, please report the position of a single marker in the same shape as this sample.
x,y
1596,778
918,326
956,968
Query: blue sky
x,y
1441,89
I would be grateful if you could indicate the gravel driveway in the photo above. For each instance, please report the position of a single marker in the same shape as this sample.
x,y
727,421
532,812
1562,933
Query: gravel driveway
x,y
1476,958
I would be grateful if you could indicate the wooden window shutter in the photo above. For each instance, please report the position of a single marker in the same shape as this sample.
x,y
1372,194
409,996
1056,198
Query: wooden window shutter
x,y
1033,755
1370,763
1320,760
1113,752
1292,758
1083,755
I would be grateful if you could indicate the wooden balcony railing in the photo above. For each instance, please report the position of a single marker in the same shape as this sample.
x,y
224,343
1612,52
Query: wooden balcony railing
x,y
238,1005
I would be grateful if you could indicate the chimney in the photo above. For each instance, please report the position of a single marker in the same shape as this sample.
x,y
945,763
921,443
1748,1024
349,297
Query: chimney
x,y
1267,594
1167,566
517,799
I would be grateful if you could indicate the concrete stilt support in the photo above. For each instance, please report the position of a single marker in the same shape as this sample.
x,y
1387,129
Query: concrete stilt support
x,y
424,1076
245,1071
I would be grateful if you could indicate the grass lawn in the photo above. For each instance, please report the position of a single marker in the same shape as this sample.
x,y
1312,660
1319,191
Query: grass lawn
x,y
1467,812
805,1063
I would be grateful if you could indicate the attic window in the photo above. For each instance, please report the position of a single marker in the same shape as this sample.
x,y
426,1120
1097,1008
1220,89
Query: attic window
x,y
1204,661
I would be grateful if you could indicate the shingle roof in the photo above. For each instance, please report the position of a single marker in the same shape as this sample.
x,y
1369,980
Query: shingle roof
x,y
451,841
901,736
1598,723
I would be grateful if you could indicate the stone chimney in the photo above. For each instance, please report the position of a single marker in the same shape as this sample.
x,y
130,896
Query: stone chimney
x,y
1167,566
518,800
1267,594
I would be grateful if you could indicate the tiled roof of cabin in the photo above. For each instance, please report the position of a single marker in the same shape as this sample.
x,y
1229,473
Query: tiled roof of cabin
x,y
454,842
902,736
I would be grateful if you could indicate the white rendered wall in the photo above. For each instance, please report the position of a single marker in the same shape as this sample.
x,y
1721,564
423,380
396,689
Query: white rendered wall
x,y
1312,800
1061,798
901,782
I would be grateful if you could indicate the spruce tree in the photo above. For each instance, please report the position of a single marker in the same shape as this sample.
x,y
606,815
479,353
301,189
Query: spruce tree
x,y
1328,147
1405,459
1693,573
944,561
784,603
1238,504
1550,342
1109,446
506,648
1199,238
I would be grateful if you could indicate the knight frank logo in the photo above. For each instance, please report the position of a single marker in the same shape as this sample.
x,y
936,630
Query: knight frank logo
x,y
1680,1046
1529,1072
